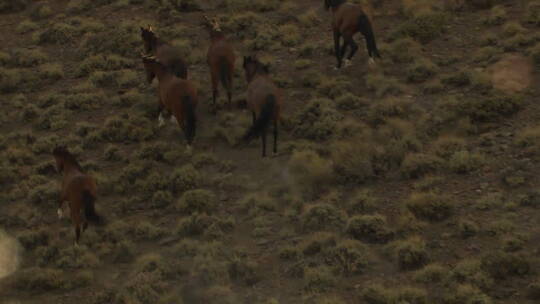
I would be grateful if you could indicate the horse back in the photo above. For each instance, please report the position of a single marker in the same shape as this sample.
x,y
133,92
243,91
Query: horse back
x,y
79,183
218,50
258,92
346,17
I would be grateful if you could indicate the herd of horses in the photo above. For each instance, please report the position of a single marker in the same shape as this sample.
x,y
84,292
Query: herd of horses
x,y
178,96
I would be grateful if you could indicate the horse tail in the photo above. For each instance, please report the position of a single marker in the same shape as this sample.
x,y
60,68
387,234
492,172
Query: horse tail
x,y
263,120
190,118
225,73
89,211
364,25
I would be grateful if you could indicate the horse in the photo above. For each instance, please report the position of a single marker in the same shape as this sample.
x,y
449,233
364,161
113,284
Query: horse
x,y
220,58
79,189
166,53
176,95
347,20
264,99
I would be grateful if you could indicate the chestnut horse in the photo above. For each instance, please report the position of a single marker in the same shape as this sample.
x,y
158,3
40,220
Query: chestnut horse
x,y
176,95
347,20
79,189
264,99
220,58
164,52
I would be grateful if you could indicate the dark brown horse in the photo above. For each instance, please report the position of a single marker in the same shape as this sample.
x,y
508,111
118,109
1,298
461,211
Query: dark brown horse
x,y
264,99
220,58
79,189
164,52
177,96
347,20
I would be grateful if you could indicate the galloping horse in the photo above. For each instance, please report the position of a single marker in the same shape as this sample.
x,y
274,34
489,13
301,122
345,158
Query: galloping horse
x,y
220,58
164,52
176,95
79,189
347,20
264,99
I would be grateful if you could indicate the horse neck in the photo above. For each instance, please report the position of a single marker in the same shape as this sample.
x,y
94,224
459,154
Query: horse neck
x,y
216,36
338,4
158,42
71,167
161,73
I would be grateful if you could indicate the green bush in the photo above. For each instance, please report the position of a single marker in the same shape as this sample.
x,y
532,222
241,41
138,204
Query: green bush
x,y
349,257
323,217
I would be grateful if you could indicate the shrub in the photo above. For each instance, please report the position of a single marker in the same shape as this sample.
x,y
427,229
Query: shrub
x,y
369,228
425,26
319,280
198,200
492,107
418,164
185,178
497,16
312,173
465,162
316,120
502,265
430,206
322,217
349,257
352,161
533,13
411,253
420,70
467,294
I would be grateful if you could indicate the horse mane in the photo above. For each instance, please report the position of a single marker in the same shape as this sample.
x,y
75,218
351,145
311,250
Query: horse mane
x,y
63,152
165,67
335,3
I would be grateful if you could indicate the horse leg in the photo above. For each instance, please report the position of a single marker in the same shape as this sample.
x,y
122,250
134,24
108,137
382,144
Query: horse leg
x,y
85,225
354,48
214,87
254,116
337,52
61,202
77,234
347,39
263,137
275,135
160,117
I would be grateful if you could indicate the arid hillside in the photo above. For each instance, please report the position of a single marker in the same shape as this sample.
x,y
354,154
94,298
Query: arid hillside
x,y
415,180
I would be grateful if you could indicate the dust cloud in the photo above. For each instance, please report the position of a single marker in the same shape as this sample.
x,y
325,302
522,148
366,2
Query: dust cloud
x,y
10,254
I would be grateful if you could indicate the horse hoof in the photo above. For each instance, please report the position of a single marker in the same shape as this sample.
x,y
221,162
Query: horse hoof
x,y
348,63
371,61
189,150
173,120
60,213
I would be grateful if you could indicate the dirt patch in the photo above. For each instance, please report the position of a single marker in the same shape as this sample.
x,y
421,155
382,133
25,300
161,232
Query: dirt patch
x,y
9,254
513,73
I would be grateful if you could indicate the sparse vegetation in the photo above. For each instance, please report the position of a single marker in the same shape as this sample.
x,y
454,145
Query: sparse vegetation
x,y
419,170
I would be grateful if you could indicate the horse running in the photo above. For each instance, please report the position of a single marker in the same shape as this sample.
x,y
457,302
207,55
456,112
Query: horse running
x,y
347,20
264,99
164,52
79,189
176,95
220,58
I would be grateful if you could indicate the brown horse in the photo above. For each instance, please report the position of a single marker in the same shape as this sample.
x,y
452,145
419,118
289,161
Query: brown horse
x,y
79,189
164,52
176,95
264,99
347,20
220,58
